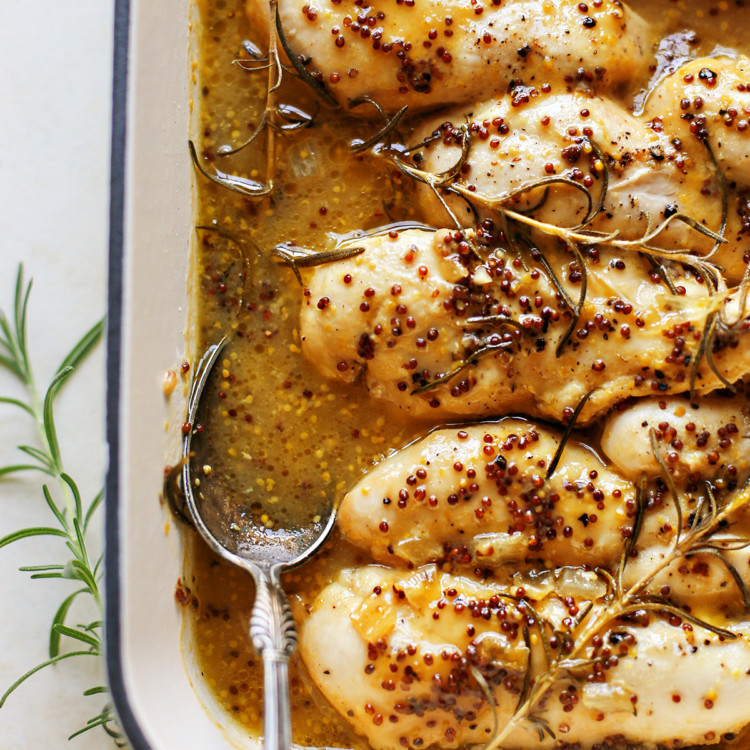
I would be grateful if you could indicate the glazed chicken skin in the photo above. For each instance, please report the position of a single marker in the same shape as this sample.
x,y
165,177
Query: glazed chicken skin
x,y
410,644
429,333
478,495
473,495
429,53
709,99
529,135
707,441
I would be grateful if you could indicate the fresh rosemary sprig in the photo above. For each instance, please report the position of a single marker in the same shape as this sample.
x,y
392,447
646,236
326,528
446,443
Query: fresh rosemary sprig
x,y
71,517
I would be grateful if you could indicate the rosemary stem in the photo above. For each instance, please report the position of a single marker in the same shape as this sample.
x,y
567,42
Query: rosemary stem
x,y
274,81
38,409
56,463
680,545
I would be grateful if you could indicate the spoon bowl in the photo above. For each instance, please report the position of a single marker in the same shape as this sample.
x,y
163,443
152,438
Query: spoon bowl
x,y
232,531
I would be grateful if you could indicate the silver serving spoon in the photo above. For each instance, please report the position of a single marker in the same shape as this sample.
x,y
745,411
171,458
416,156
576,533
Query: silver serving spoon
x,y
227,527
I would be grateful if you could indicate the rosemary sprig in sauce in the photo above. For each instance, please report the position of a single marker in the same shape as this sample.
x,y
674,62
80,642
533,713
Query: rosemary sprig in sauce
x,y
697,537
277,117
448,182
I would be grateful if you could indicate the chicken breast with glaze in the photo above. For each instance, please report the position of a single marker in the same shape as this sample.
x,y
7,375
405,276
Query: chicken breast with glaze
x,y
440,335
708,99
430,53
479,495
531,135
417,652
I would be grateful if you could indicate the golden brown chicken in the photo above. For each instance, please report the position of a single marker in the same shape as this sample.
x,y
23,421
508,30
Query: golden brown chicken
x,y
439,334
417,655
429,53
524,137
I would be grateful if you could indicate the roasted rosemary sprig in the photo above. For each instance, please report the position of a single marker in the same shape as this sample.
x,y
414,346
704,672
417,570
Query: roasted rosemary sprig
x,y
71,517
299,257
449,182
692,538
277,117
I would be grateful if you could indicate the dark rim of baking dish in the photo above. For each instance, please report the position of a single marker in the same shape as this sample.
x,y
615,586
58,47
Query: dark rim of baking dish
x,y
114,326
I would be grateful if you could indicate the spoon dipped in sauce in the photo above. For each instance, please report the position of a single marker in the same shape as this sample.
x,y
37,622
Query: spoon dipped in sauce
x,y
240,532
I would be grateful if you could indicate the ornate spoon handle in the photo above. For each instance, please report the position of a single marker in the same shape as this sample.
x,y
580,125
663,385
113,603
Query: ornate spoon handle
x,y
274,637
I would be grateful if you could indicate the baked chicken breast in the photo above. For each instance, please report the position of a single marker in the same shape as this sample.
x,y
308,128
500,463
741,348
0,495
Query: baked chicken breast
x,y
440,335
429,53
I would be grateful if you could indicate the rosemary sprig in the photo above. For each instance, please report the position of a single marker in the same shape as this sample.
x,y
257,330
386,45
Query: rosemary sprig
x,y
449,182
470,361
697,537
578,307
241,185
299,257
294,59
243,246
390,124
70,517
704,351
566,434
277,117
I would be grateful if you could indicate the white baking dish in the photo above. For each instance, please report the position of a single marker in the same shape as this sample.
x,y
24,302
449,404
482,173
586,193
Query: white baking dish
x,y
150,237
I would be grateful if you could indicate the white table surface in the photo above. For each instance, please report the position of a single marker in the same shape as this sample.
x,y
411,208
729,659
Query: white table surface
x,y
55,93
